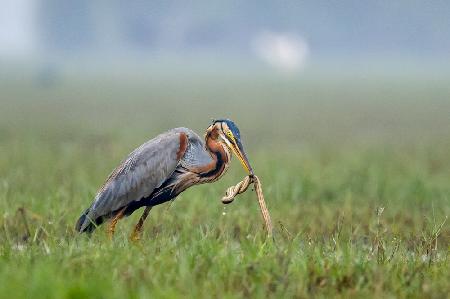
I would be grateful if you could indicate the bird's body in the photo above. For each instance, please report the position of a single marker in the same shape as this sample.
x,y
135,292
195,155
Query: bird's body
x,y
159,170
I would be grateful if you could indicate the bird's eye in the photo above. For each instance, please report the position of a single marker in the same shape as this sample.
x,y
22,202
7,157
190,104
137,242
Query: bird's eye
x,y
229,134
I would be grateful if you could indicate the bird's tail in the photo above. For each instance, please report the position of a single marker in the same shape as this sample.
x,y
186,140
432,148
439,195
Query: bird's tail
x,y
86,223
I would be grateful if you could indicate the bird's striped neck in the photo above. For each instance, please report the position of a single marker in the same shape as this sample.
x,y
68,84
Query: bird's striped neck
x,y
221,158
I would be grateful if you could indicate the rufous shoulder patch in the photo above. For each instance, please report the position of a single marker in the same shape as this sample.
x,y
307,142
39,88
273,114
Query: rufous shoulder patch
x,y
183,145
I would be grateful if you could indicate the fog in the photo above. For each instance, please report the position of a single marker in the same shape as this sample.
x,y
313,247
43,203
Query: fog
x,y
290,36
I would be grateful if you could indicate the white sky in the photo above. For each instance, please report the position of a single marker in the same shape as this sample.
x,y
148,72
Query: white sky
x,y
17,28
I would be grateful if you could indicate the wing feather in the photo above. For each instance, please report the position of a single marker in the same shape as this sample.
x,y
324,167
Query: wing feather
x,y
144,170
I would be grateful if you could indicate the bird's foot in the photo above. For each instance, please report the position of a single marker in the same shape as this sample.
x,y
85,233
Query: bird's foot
x,y
113,223
135,236
110,234
111,229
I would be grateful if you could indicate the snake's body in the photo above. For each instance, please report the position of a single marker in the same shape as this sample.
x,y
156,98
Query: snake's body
x,y
241,187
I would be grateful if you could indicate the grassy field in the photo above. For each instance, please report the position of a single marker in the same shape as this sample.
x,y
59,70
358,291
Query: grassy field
x,y
356,175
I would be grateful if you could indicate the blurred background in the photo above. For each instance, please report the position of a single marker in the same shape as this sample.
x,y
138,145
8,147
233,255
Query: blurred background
x,y
206,35
292,74
326,70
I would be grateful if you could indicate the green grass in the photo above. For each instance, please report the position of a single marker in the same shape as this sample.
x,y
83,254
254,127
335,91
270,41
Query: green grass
x,y
355,171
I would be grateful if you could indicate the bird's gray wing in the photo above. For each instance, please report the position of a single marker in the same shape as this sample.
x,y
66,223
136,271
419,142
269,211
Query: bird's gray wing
x,y
144,170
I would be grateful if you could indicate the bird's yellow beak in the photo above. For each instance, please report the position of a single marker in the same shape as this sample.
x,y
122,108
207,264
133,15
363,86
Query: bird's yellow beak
x,y
238,150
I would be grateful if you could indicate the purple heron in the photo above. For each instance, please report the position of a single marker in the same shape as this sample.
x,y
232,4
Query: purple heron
x,y
162,168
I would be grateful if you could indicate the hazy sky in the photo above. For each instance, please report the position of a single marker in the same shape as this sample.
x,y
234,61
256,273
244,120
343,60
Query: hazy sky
x,y
95,29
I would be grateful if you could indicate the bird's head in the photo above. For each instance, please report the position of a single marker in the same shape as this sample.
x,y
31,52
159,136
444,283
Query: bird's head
x,y
226,131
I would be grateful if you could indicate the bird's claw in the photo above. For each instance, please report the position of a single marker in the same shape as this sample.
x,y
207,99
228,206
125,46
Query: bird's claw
x,y
135,236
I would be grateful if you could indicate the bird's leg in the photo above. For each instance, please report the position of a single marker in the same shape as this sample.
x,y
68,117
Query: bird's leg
x,y
112,224
135,235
